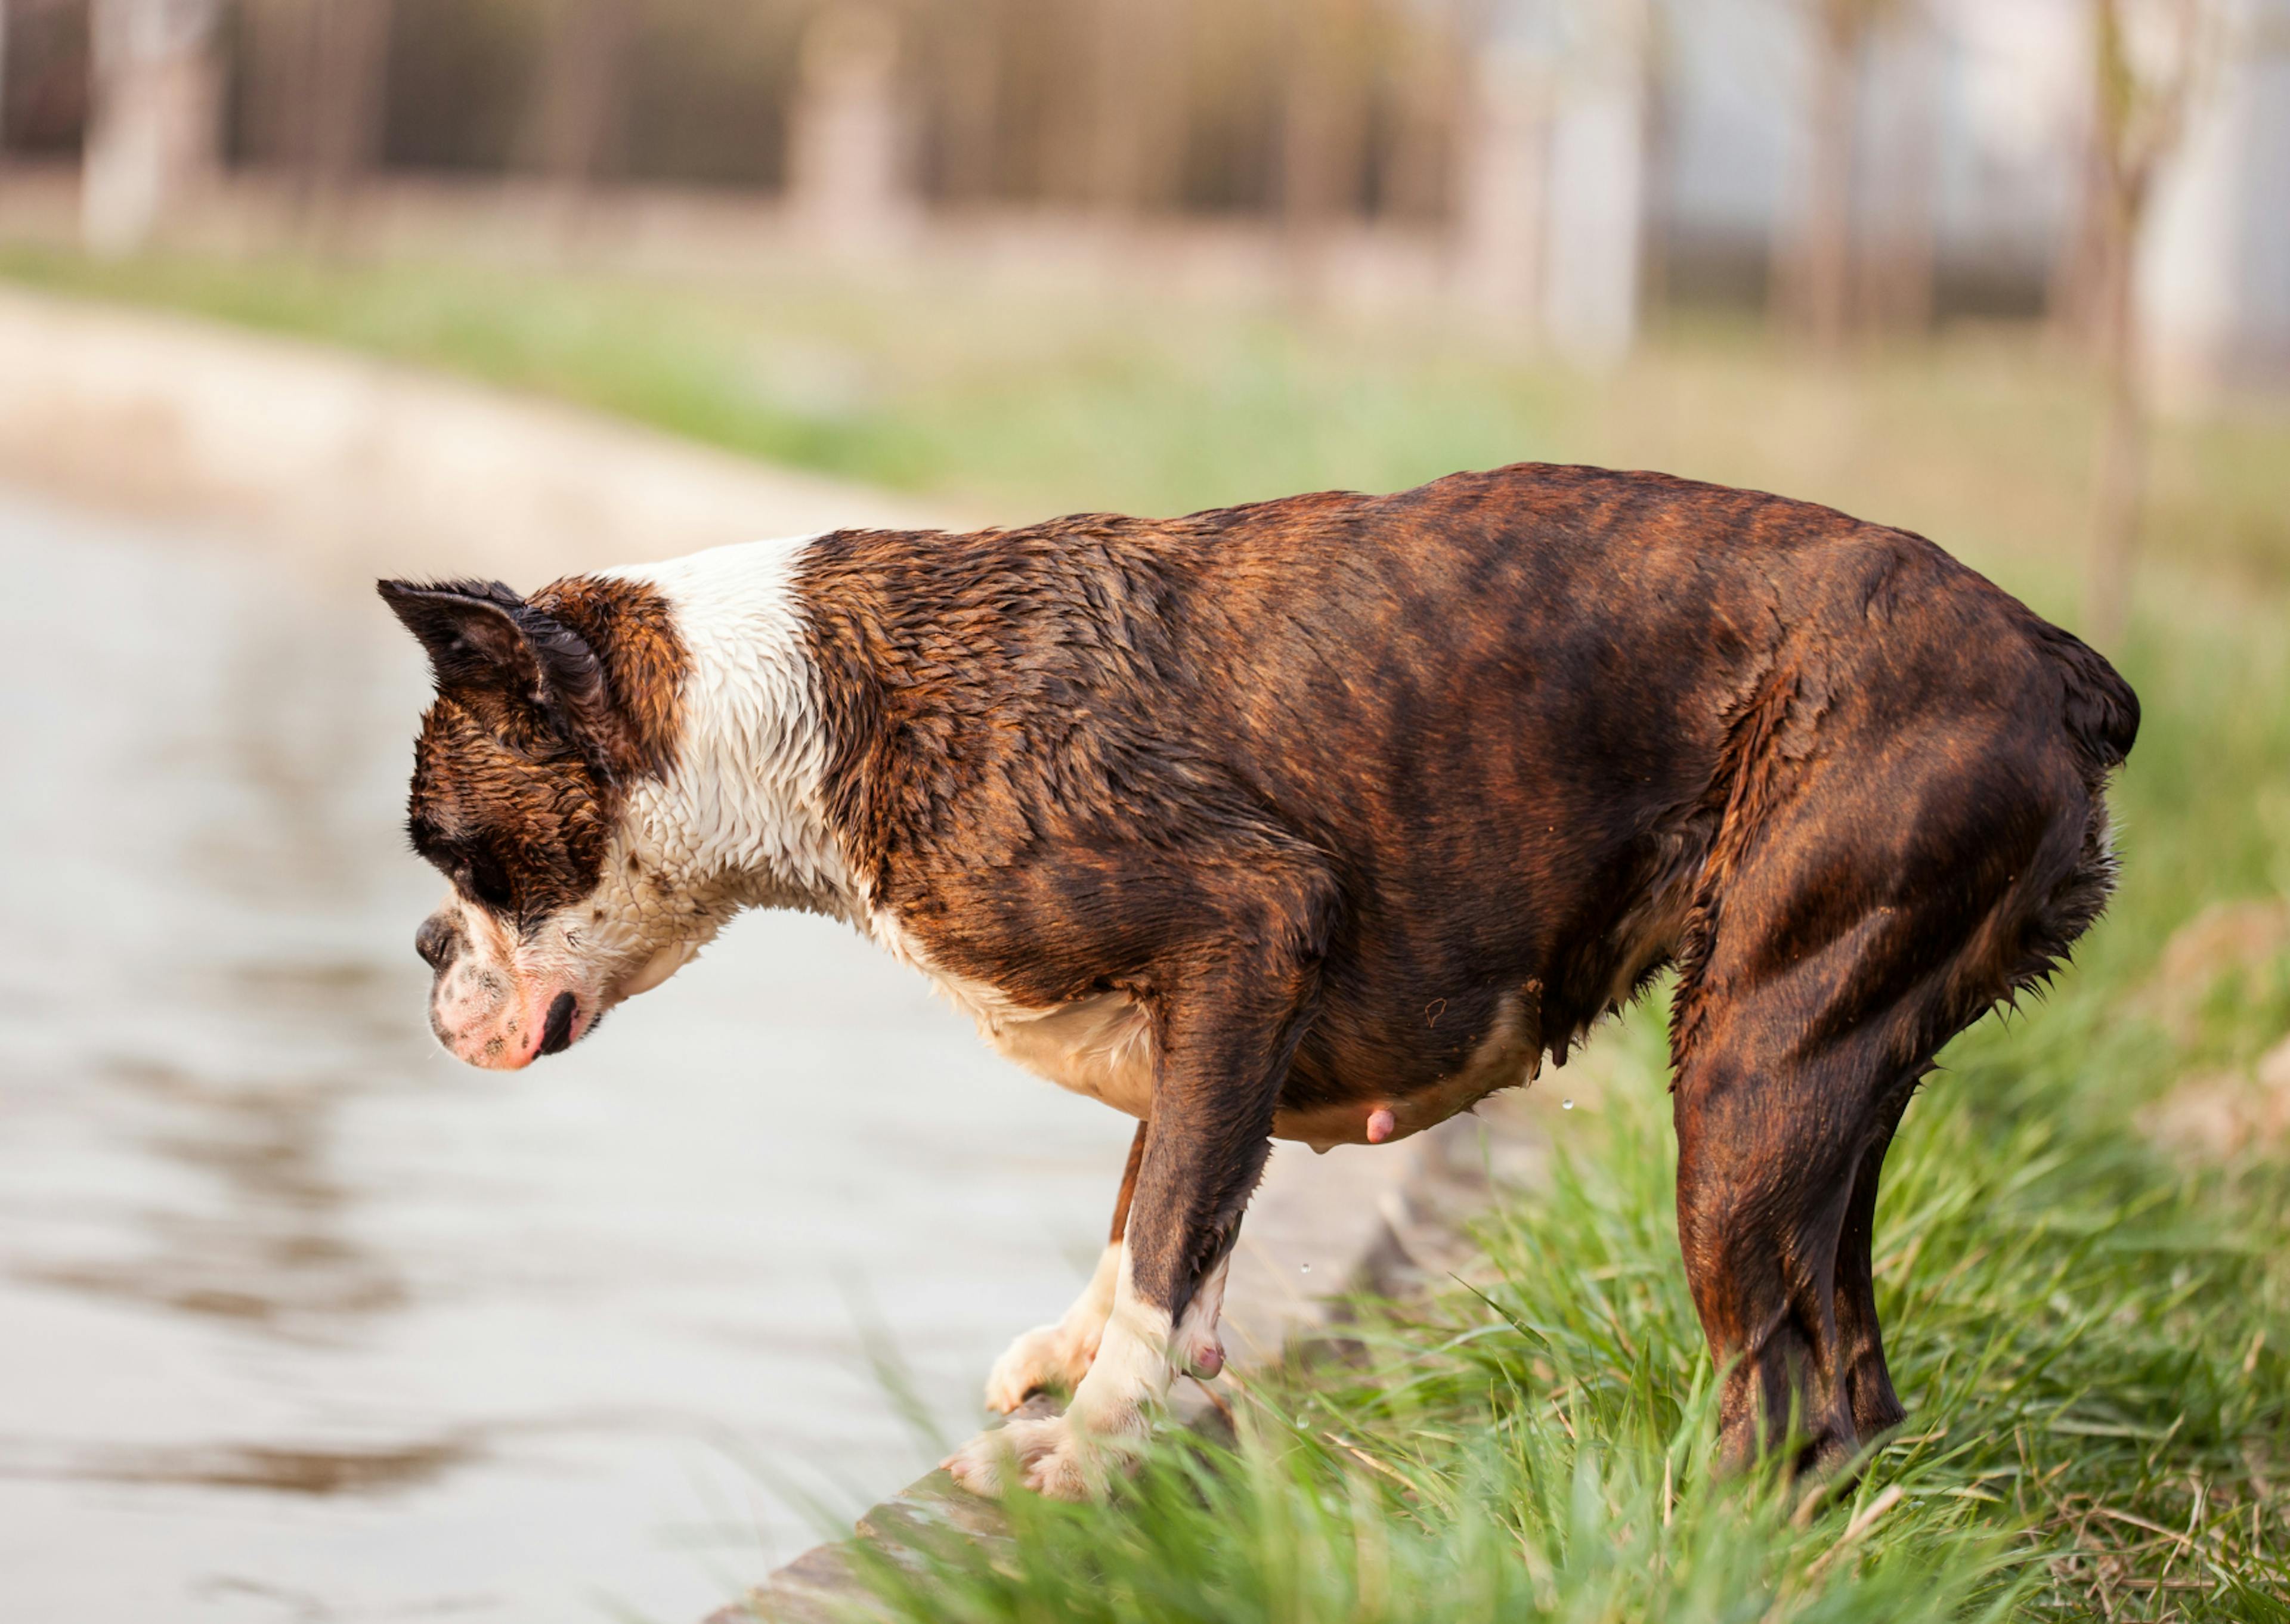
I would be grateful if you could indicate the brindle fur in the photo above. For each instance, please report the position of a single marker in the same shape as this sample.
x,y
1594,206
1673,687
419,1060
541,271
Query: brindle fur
x,y
1348,793
1295,774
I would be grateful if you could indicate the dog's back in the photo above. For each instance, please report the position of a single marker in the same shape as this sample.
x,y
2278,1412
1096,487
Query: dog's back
x,y
1507,713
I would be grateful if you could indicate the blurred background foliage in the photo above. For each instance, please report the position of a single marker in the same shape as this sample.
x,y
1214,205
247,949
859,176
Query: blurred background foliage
x,y
1467,179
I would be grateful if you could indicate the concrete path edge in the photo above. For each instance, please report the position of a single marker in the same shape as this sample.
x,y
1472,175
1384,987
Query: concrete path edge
x,y
1320,1228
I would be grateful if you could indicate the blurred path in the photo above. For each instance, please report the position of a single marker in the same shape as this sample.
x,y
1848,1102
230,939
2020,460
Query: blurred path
x,y
364,467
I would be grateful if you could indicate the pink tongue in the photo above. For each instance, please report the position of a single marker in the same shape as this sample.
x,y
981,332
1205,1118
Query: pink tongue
x,y
1379,1125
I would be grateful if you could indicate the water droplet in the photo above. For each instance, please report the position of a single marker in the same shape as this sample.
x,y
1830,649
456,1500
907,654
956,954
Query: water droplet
x,y
1565,1105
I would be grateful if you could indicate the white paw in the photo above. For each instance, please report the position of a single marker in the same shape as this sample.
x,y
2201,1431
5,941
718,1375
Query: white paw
x,y
1052,1456
1054,1355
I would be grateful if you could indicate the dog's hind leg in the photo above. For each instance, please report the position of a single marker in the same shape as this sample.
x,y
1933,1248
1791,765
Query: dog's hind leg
x,y
1870,917
1764,1179
1058,1355
1868,1392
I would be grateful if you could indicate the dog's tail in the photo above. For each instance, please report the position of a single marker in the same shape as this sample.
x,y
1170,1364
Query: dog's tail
x,y
2098,706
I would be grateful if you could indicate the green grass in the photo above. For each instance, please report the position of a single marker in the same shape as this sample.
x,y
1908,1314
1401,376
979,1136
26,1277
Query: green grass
x,y
2077,1340
2093,1338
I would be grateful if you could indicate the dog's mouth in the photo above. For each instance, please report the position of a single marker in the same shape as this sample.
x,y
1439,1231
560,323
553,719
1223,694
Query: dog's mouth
x,y
556,1030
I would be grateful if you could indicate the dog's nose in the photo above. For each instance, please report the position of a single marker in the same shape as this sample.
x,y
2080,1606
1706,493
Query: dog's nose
x,y
434,941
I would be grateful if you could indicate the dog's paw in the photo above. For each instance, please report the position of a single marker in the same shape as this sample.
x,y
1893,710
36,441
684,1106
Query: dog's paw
x,y
990,1462
1052,1456
1200,1353
1074,1469
994,1462
1054,1355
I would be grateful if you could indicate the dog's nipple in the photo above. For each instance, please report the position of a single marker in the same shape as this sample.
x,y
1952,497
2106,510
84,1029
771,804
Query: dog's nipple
x,y
1379,1125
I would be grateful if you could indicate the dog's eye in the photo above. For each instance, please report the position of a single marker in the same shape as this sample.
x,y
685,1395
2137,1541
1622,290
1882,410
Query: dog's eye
x,y
488,882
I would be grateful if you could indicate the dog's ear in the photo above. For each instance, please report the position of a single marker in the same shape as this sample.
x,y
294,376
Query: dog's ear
x,y
483,638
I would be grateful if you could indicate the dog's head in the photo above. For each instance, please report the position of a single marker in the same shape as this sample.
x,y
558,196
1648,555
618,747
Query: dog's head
x,y
537,784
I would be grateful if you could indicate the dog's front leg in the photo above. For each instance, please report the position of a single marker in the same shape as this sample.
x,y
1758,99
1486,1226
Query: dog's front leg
x,y
1060,1354
1221,1062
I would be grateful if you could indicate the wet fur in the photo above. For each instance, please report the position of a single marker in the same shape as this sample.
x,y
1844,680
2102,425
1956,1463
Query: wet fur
x,y
1343,800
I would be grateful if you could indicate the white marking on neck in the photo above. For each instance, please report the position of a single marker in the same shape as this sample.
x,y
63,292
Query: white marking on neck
x,y
743,814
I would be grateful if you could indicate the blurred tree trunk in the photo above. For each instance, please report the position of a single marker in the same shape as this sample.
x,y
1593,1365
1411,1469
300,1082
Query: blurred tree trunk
x,y
2120,455
847,177
1660,138
1434,83
970,54
1137,65
2140,106
155,125
1899,271
1595,188
1066,142
1502,186
1815,287
1322,125
271,102
1909,245
580,92
343,58
4,81
2072,298
1813,258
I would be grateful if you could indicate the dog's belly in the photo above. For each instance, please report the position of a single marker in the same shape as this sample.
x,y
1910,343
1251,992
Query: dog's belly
x,y
1104,1047
1100,1046
1508,1054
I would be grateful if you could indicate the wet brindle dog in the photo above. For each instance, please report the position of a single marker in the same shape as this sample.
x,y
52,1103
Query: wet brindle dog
x,y
1200,816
